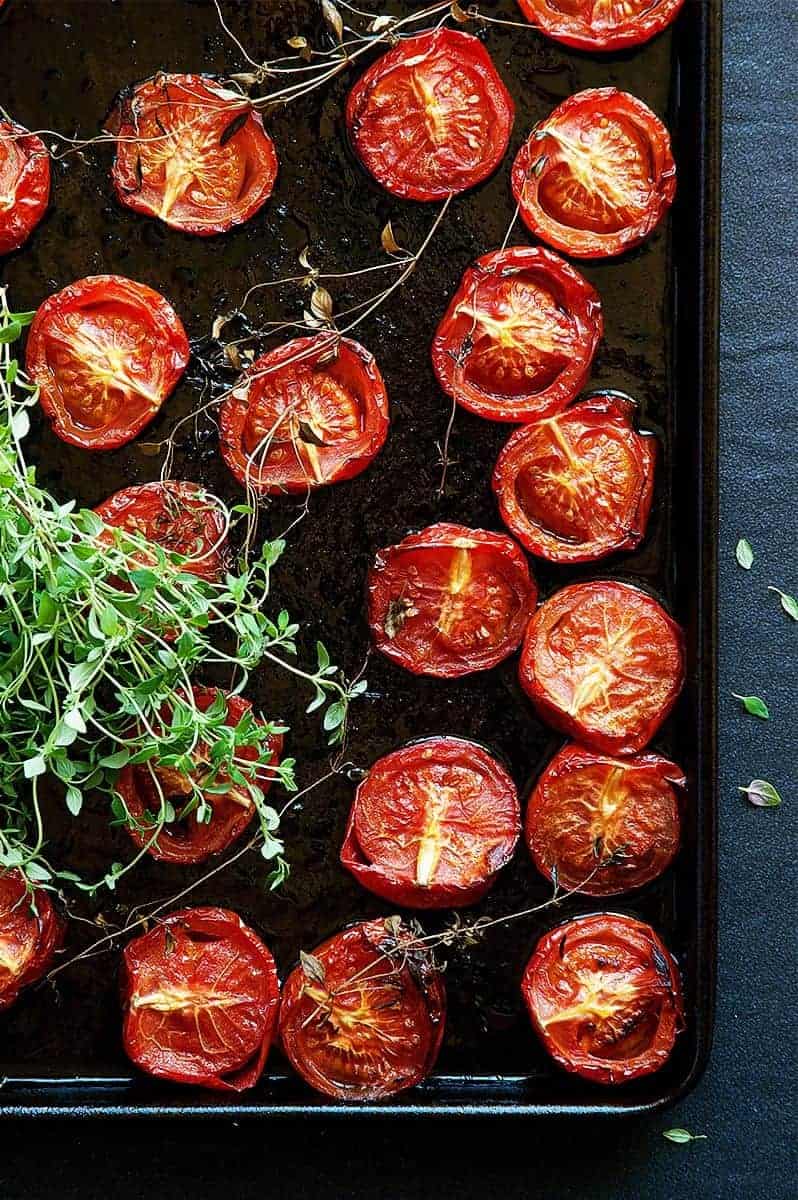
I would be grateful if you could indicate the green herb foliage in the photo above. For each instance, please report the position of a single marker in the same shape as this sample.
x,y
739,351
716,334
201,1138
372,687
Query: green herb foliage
x,y
762,794
744,554
788,602
754,706
682,1136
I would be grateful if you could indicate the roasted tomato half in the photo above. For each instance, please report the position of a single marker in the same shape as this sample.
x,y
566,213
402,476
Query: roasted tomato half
x,y
200,997
191,153
311,412
105,353
519,335
431,117
604,663
362,1017
450,600
432,824
597,175
578,485
187,839
24,184
600,24
30,934
608,825
605,997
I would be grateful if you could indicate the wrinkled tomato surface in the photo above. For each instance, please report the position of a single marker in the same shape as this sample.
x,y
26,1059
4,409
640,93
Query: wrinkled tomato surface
x,y
105,353
432,824
191,153
24,184
450,600
597,175
604,663
608,825
577,486
310,413
363,1016
601,24
30,934
519,335
431,117
200,997
605,997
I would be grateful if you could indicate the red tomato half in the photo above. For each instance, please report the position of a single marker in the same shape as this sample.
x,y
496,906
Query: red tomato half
x,y
601,24
578,485
364,1018
450,600
608,825
432,824
597,175
311,412
30,934
519,335
431,117
605,997
105,353
24,184
192,153
187,840
604,663
200,997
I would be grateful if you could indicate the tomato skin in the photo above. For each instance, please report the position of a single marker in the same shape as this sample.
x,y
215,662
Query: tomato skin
x,y
565,673
503,286
418,605
587,29
640,826
604,951
389,110
200,953
25,180
152,169
344,387
28,940
480,820
609,466
340,1055
608,229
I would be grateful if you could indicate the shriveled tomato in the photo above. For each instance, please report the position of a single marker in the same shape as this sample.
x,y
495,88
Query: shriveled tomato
x,y
605,997
432,824
597,175
311,412
519,335
450,600
577,486
431,117
188,839
200,997
601,24
30,934
24,184
603,662
363,1016
105,353
608,825
192,153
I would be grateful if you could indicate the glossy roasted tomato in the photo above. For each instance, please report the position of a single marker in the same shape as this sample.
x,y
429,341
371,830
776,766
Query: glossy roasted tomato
x,y
608,825
200,997
363,1016
597,175
431,117
192,153
604,663
24,184
450,600
578,485
105,353
605,997
432,824
188,839
309,413
601,24
519,335
30,934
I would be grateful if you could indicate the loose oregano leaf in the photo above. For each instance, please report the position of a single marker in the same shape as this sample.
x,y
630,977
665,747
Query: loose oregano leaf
x,y
312,967
754,706
744,554
682,1136
788,602
762,794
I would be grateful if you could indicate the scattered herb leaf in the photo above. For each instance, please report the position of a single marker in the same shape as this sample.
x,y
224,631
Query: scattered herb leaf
x,y
762,794
744,554
754,706
788,602
682,1136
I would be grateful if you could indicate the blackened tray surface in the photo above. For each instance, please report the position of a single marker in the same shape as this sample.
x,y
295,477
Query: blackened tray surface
x,y
62,62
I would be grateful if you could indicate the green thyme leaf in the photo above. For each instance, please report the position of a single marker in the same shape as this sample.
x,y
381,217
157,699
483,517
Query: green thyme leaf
x,y
788,602
744,554
762,794
754,706
682,1136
